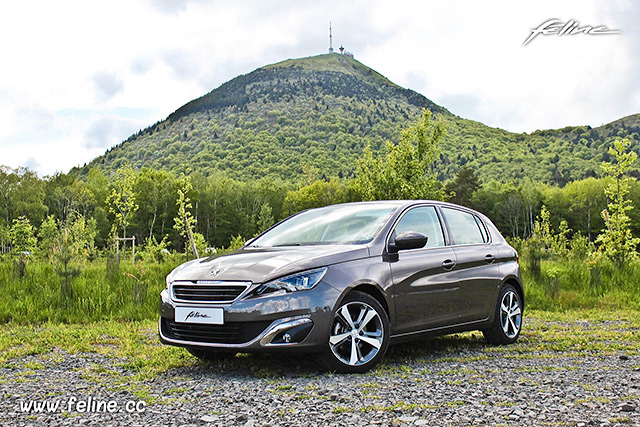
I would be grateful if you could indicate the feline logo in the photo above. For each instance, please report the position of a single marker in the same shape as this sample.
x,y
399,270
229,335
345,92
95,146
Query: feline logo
x,y
571,27
196,314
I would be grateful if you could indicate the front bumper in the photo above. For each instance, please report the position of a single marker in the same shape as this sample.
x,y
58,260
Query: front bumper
x,y
293,321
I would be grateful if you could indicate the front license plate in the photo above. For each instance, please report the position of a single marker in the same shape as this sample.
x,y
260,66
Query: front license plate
x,y
211,316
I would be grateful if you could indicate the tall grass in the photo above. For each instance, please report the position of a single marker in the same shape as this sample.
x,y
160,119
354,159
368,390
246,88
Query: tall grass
x,y
101,291
107,290
569,285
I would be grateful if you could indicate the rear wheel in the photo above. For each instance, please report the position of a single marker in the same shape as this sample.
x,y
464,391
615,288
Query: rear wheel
x,y
359,334
210,355
507,321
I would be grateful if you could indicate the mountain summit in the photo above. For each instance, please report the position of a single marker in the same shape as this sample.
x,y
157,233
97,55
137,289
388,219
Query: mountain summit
x,y
312,117
314,77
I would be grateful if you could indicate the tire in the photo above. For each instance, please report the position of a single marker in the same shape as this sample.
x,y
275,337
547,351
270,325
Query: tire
x,y
358,336
507,322
209,355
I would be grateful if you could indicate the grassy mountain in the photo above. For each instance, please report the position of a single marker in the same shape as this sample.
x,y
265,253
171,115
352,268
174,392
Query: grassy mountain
x,y
312,117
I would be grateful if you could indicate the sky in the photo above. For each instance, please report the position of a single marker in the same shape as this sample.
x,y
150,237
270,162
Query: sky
x,y
78,77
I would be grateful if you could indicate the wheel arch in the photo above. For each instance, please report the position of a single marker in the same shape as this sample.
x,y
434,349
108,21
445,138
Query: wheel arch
x,y
371,289
516,283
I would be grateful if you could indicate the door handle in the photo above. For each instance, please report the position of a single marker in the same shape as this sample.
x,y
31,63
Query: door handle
x,y
489,258
448,264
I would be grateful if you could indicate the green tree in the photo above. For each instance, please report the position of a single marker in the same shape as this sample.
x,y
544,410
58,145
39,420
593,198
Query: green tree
x,y
49,234
201,244
4,239
65,254
28,197
184,221
82,233
502,202
265,217
75,241
22,193
22,235
149,186
585,198
154,251
23,242
98,185
616,243
531,198
8,183
122,200
404,171
315,195
463,186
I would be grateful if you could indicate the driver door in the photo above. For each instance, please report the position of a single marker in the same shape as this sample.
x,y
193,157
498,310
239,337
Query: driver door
x,y
425,285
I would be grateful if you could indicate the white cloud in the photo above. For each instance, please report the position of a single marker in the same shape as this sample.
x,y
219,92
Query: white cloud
x,y
80,76
107,130
107,85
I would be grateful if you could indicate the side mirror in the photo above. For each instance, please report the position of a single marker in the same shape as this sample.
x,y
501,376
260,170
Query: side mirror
x,y
408,240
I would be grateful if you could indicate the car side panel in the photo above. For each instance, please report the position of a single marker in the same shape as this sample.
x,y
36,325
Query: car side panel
x,y
479,276
424,293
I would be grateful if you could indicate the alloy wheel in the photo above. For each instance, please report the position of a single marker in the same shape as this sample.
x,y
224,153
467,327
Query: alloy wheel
x,y
510,314
357,333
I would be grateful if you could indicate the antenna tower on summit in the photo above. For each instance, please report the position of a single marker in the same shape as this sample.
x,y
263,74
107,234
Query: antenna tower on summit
x,y
330,39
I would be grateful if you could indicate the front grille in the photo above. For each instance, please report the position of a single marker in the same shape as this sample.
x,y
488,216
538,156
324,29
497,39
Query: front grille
x,y
208,292
229,333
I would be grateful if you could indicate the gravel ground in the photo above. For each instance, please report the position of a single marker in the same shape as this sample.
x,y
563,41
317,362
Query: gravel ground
x,y
455,380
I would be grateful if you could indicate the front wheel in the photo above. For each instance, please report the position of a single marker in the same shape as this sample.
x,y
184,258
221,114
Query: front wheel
x,y
507,321
359,334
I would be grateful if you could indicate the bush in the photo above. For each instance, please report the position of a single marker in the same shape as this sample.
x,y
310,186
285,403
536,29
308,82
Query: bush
x,y
154,251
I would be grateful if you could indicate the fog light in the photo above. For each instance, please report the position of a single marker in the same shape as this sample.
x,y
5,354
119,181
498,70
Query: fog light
x,y
289,332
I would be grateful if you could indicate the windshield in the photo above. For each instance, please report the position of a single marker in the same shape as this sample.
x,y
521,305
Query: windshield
x,y
338,224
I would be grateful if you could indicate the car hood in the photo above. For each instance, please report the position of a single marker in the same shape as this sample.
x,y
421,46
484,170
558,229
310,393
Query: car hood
x,y
262,264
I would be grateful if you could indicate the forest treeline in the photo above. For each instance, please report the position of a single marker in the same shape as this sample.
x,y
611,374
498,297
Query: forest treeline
x,y
224,207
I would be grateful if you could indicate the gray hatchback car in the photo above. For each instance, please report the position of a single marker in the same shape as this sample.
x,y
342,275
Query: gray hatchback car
x,y
343,281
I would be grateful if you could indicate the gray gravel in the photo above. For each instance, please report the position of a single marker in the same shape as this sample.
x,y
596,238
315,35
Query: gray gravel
x,y
439,382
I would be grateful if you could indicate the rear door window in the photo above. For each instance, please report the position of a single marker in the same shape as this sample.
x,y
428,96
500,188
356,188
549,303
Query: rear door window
x,y
464,227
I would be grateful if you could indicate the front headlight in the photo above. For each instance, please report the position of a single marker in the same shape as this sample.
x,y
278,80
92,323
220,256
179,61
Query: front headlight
x,y
295,282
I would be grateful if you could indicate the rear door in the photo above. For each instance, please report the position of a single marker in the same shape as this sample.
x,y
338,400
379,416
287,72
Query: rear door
x,y
424,280
477,270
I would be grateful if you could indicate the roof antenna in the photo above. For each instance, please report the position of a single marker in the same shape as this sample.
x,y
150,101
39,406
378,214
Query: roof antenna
x,y
330,39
